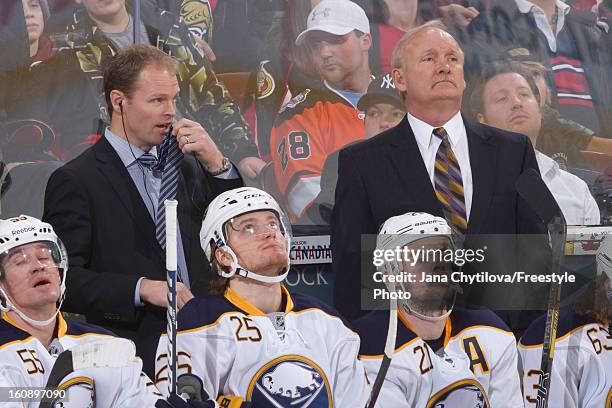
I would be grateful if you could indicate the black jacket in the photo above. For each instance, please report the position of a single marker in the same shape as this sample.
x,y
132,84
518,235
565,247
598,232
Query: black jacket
x,y
385,176
96,210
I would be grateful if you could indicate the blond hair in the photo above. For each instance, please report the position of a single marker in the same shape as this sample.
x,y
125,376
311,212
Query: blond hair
x,y
218,284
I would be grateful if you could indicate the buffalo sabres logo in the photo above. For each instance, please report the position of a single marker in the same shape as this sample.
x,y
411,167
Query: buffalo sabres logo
x,y
462,394
290,381
80,392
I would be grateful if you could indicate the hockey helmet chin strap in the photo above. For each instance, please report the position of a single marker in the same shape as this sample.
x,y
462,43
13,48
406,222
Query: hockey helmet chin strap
x,y
6,306
237,269
409,310
427,318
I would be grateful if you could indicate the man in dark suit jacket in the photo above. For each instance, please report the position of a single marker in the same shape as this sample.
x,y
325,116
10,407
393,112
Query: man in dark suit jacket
x,y
103,204
393,173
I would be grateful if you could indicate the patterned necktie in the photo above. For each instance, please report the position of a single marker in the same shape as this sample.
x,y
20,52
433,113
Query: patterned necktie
x,y
147,160
448,183
170,157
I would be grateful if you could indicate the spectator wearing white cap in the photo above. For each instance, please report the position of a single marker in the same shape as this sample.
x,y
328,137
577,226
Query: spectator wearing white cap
x,y
318,122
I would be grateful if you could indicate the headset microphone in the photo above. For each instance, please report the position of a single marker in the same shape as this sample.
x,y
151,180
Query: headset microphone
x,y
135,159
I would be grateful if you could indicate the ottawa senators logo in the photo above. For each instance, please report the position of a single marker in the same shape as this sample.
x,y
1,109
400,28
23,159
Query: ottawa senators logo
x,y
197,16
265,81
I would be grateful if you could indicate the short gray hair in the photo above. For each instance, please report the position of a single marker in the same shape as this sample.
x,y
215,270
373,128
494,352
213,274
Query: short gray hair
x,y
397,58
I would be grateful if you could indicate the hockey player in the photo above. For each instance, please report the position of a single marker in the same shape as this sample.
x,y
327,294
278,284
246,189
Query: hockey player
x,y
252,339
441,355
582,367
33,267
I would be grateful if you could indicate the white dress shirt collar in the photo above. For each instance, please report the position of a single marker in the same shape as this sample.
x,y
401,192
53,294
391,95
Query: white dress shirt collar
x,y
571,193
541,19
423,132
548,167
428,145
526,6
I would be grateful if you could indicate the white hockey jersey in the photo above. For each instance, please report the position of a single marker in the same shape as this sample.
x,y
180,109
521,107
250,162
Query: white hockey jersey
x,y
306,357
25,362
479,345
582,367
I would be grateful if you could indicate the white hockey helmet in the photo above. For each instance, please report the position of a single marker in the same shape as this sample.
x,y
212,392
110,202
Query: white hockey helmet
x,y
229,205
604,260
22,230
401,230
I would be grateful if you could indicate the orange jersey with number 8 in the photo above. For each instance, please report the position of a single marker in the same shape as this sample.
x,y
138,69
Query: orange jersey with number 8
x,y
311,126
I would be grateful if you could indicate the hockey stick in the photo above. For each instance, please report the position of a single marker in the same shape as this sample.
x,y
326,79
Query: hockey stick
x,y
389,351
171,327
533,190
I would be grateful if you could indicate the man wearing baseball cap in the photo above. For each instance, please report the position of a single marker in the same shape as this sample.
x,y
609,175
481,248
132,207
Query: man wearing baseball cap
x,y
337,17
382,108
318,122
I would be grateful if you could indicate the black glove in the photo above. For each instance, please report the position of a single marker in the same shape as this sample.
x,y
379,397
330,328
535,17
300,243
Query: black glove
x,y
178,402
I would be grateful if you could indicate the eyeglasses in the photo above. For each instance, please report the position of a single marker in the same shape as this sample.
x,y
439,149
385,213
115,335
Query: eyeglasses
x,y
251,228
20,258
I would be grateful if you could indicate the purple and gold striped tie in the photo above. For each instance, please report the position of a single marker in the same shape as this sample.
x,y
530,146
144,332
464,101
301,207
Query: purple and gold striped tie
x,y
448,183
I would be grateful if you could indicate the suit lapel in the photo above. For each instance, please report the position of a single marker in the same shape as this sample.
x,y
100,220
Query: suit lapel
x,y
189,218
483,159
184,223
406,157
121,183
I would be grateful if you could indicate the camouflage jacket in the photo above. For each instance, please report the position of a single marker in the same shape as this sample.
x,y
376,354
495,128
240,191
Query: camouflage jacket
x,y
203,98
